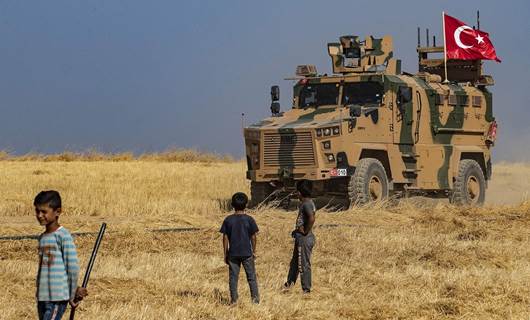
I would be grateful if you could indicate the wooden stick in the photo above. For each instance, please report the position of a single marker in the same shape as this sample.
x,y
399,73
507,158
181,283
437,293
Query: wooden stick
x,y
91,263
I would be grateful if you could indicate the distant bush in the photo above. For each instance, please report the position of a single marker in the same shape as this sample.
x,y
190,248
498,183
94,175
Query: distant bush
x,y
4,155
170,155
185,155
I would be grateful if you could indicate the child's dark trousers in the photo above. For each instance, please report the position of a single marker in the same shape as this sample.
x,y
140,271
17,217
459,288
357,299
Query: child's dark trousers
x,y
51,310
234,265
301,261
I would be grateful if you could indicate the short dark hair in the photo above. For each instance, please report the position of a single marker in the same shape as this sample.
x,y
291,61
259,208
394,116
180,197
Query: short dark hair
x,y
239,201
304,187
50,197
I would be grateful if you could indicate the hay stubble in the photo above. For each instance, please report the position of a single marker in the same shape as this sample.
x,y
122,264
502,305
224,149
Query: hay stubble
x,y
371,263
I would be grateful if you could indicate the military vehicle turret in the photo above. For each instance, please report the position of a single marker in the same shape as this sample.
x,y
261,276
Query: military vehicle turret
x,y
369,131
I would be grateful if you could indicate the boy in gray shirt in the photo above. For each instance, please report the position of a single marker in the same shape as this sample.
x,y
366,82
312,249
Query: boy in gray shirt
x,y
304,240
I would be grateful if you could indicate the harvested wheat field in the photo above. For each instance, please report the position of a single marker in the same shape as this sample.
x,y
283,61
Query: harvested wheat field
x,y
412,261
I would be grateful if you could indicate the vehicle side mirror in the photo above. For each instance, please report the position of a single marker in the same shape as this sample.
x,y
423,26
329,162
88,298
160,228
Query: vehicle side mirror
x,y
275,107
275,97
355,111
275,93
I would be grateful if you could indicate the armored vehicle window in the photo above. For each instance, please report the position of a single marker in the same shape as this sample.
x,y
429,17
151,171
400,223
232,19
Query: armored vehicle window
x,y
362,93
477,101
458,100
463,101
315,95
440,99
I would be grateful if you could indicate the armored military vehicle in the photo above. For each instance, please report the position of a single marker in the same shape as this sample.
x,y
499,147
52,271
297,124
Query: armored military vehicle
x,y
370,131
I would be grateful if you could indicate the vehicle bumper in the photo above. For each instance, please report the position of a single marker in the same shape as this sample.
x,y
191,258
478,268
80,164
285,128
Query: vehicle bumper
x,y
278,174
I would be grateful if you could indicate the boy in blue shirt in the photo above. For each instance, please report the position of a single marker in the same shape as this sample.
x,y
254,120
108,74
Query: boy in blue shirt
x,y
239,243
58,264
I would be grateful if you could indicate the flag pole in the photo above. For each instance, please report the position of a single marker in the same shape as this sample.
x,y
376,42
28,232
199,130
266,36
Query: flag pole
x,y
445,47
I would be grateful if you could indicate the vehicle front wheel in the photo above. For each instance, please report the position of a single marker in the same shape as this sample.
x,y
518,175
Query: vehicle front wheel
x,y
369,182
469,187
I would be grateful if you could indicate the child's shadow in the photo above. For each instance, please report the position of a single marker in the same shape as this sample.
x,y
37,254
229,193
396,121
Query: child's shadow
x,y
216,295
188,293
220,298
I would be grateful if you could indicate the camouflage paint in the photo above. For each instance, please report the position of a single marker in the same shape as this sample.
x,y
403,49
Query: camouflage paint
x,y
455,121
404,114
489,105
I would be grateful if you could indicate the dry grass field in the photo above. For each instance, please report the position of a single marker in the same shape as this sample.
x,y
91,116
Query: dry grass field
x,y
414,261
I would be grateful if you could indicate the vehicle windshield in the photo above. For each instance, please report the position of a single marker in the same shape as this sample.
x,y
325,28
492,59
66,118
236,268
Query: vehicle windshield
x,y
362,93
315,95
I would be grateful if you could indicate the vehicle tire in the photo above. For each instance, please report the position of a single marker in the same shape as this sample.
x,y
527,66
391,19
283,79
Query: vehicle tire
x,y
285,204
260,193
469,188
369,182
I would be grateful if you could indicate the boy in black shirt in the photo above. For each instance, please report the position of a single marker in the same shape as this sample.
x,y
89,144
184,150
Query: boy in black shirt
x,y
239,243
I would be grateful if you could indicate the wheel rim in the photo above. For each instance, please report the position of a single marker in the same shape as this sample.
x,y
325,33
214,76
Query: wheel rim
x,y
375,188
473,189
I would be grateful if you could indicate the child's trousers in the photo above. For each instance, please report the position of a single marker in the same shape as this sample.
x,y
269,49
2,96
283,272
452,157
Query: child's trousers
x,y
51,310
234,265
301,261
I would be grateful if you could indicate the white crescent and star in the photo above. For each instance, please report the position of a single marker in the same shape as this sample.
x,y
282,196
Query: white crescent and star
x,y
458,41
457,37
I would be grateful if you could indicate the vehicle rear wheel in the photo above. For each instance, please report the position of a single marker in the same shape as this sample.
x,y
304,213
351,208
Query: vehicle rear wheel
x,y
260,192
469,187
369,183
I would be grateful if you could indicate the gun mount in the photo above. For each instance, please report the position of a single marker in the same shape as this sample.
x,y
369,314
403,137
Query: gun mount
x,y
351,55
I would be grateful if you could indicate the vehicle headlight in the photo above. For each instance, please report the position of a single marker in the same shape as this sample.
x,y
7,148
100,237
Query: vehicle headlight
x,y
326,144
331,131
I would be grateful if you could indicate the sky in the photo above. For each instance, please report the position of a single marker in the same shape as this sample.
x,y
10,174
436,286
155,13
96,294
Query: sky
x,y
145,76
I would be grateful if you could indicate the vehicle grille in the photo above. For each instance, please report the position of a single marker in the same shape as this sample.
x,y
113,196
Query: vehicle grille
x,y
288,150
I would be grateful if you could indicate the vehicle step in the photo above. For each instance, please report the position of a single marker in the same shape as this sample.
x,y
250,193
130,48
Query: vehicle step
x,y
411,170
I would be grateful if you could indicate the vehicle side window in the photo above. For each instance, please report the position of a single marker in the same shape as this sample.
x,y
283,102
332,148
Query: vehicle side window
x,y
404,96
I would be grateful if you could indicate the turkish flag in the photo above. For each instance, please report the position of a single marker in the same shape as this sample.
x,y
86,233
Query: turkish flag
x,y
465,43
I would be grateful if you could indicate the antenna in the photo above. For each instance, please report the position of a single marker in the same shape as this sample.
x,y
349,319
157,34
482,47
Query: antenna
x,y
434,41
427,36
419,43
478,27
243,122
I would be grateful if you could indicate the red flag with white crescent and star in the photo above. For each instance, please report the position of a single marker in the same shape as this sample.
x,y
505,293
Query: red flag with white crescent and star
x,y
465,43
